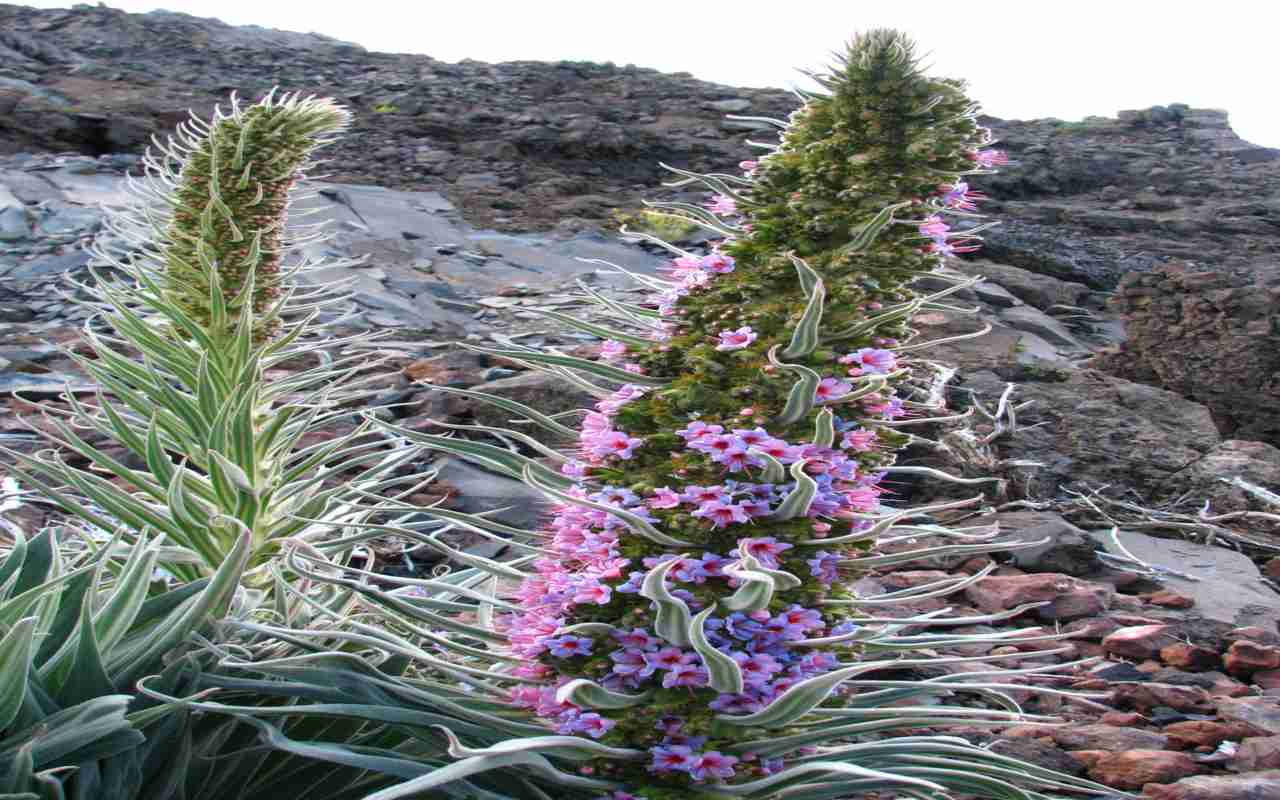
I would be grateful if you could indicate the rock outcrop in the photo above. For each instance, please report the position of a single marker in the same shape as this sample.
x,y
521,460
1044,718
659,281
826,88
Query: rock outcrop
x,y
1209,335
529,145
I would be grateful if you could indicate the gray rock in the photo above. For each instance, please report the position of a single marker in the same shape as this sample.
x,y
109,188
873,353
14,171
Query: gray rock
x,y
1032,320
996,295
1090,427
1069,550
1230,588
15,224
45,268
480,490
538,390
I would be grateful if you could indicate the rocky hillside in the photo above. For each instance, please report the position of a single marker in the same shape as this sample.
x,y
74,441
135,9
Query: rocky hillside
x,y
474,190
531,145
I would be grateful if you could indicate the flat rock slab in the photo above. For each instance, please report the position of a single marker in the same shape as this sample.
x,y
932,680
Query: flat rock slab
x,y
1230,588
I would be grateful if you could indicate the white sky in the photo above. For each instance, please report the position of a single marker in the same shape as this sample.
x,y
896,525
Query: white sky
x,y
1026,59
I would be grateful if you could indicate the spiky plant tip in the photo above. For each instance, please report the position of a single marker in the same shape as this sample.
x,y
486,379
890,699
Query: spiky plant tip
x,y
223,245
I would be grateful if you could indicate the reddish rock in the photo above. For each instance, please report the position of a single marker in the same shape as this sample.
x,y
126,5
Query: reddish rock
x,y
1093,628
1088,758
1253,633
1245,657
1109,738
1190,657
1259,752
1146,696
1228,687
1272,568
1069,598
1194,733
910,578
1132,769
1125,602
1252,786
1166,598
1141,641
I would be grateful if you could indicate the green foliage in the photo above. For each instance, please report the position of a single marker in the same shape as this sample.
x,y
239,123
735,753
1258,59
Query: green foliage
x,y
385,108
182,343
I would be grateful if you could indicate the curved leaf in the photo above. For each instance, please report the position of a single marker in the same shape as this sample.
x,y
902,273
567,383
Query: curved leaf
x,y
724,673
803,394
797,502
589,694
672,620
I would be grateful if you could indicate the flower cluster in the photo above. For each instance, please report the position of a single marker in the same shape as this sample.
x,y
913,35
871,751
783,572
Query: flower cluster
x,y
726,478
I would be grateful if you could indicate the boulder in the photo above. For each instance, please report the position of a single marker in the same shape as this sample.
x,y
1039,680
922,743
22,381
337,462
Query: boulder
x,y
1132,769
1262,713
1250,786
1229,587
1068,598
1210,336
1096,429
1256,753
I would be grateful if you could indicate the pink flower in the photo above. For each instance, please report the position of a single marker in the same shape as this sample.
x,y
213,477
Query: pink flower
x,y
863,499
615,443
859,441
990,158
723,205
748,166
950,249
832,389
934,228
717,262
593,592
722,514
871,359
613,350
736,340
958,196
664,498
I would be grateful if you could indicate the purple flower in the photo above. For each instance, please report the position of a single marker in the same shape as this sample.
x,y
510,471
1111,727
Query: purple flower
x,y
735,458
684,675
569,646
666,658
752,437
736,340
638,638
613,350
823,566
590,723
672,758
766,549
632,586
757,668
628,661
935,228
713,764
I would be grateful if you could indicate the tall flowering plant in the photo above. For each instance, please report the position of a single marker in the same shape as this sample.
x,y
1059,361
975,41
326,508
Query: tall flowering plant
x,y
684,626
